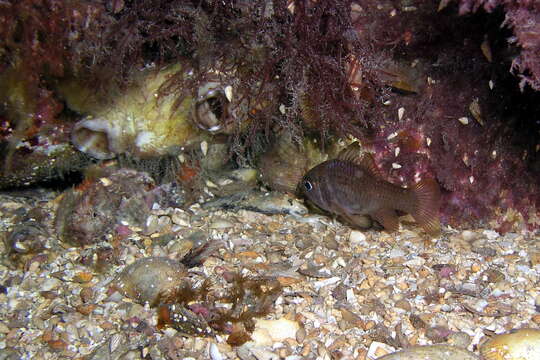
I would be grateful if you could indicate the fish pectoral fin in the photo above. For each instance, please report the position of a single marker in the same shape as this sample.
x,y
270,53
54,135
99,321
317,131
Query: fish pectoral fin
x,y
387,218
360,221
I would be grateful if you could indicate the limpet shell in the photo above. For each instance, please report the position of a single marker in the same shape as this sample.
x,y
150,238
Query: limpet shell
x,y
523,344
431,352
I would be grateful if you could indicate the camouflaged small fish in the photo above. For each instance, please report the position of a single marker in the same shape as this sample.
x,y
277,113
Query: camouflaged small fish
x,y
351,186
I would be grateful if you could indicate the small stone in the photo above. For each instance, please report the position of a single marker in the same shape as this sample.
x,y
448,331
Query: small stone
x,y
221,224
459,339
179,217
301,335
475,268
377,349
86,309
464,120
57,345
356,238
484,251
415,262
521,344
4,328
268,332
417,322
469,236
438,334
149,278
535,258
431,352
331,243
83,277
492,276
403,304
50,284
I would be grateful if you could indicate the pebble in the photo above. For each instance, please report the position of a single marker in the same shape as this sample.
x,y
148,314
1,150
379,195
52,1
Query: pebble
x,y
517,345
459,339
377,349
215,354
268,332
148,278
221,224
431,352
357,238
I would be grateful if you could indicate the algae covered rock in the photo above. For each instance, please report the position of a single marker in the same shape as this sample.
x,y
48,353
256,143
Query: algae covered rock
x,y
147,279
87,213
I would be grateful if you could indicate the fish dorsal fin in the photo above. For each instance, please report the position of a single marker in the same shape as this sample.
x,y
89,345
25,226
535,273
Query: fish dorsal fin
x,y
355,154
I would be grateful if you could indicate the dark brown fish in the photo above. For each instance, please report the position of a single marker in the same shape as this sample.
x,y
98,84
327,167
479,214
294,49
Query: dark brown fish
x,y
351,186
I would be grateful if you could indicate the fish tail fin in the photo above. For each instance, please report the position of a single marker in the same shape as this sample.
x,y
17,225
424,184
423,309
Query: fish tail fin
x,y
428,200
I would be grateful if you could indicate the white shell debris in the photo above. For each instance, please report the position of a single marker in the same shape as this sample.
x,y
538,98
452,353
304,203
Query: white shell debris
x,y
268,332
372,285
357,238
229,92
401,112
204,147
378,349
464,120
214,352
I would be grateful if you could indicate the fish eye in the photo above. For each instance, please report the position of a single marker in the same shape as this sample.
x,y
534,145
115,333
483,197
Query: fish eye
x,y
307,185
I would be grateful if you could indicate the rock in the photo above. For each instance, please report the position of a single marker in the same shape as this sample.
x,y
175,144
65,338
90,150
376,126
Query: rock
x,y
89,212
268,332
357,237
459,339
431,352
221,224
147,279
27,237
267,203
517,345
378,349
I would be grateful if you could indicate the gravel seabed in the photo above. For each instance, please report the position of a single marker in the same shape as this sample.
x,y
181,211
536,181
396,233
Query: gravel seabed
x,y
347,294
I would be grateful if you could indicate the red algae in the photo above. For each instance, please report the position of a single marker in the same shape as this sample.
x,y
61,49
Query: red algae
x,y
427,87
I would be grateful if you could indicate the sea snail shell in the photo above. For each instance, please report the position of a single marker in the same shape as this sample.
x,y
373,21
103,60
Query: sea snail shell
x,y
211,110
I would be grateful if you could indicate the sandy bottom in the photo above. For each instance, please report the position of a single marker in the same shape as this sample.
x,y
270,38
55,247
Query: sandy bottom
x,y
345,294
